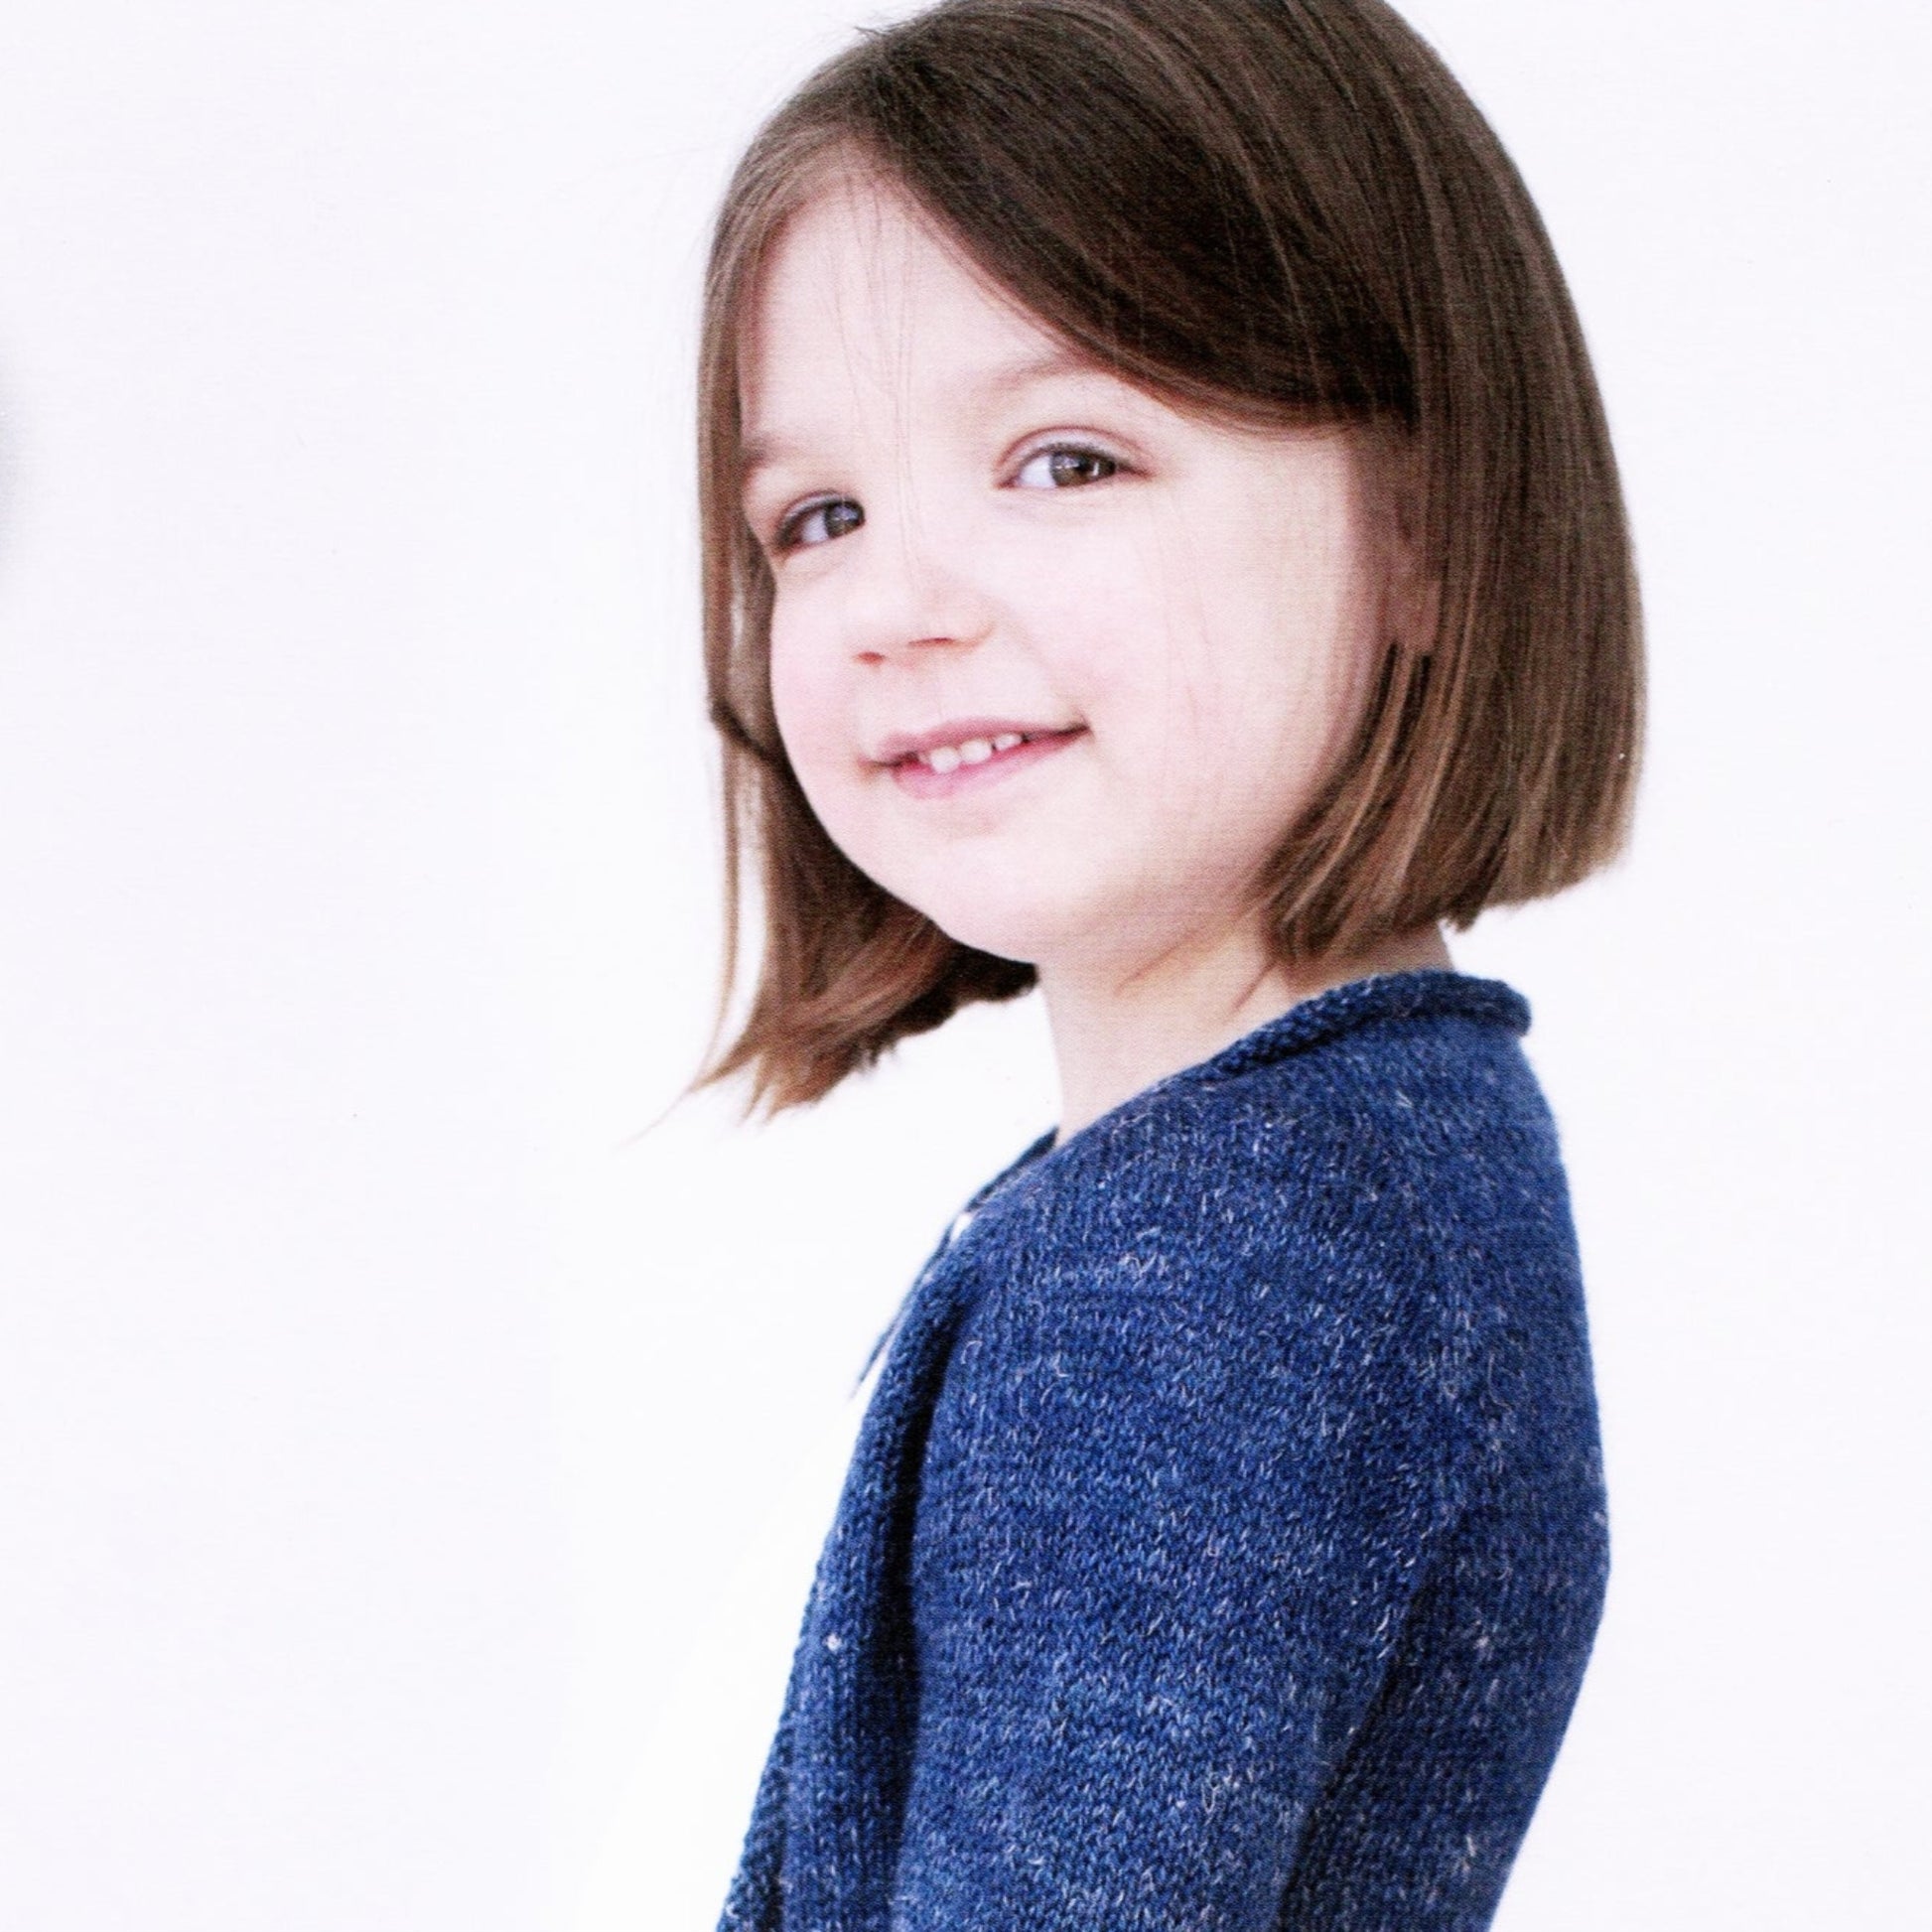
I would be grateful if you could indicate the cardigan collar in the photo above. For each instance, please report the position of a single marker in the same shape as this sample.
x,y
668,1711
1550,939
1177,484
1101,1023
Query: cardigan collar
x,y
1314,1022
1417,994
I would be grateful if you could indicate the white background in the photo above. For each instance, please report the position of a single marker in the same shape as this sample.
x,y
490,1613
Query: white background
x,y
410,1465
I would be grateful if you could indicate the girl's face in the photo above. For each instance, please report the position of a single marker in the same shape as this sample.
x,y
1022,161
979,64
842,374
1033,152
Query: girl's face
x,y
1054,663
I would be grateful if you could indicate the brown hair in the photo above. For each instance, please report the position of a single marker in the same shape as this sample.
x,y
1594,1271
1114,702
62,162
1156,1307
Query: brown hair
x,y
1268,211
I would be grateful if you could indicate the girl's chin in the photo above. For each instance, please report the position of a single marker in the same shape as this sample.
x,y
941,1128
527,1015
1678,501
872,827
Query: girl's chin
x,y
1036,941
1021,911
1005,932
999,940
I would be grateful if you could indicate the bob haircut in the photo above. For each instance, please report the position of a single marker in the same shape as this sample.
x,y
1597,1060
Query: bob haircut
x,y
1273,212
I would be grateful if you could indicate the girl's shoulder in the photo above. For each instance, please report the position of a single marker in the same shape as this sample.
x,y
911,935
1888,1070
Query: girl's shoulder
x,y
1382,1151
1413,1083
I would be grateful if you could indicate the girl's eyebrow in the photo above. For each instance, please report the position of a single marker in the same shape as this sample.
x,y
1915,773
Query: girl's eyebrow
x,y
760,453
1041,365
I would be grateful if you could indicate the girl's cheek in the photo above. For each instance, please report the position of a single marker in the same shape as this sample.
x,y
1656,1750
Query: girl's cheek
x,y
801,698
1079,596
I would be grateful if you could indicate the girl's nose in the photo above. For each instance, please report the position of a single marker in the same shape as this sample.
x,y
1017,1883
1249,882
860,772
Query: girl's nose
x,y
907,590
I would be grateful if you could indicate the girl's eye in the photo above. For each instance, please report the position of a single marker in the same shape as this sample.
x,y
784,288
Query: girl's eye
x,y
1065,465
820,522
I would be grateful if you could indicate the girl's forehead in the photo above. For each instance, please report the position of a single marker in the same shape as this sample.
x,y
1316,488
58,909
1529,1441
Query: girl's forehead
x,y
861,281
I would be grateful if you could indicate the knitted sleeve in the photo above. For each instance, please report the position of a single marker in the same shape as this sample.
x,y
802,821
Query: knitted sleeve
x,y
1183,1487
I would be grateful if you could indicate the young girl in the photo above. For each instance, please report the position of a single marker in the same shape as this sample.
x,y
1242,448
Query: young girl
x,y
1163,546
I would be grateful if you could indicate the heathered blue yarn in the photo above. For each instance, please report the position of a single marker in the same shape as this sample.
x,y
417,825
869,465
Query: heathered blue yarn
x,y
1225,1537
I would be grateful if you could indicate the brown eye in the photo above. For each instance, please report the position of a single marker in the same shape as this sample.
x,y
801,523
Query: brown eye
x,y
821,522
1065,465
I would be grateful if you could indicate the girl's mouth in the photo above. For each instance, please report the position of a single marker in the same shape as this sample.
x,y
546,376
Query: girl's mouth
x,y
945,769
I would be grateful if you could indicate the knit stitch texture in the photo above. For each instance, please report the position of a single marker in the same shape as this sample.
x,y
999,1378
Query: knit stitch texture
x,y
1226,1536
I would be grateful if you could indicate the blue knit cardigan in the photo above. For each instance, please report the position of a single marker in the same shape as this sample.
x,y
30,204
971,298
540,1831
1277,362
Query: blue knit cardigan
x,y
1226,1536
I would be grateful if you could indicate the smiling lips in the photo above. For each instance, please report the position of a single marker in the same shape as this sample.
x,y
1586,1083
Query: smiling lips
x,y
969,751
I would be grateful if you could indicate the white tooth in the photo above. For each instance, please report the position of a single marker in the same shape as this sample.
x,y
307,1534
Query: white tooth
x,y
942,757
1006,741
976,750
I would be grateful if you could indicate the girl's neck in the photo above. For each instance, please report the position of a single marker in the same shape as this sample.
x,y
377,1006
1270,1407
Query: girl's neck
x,y
1114,1035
